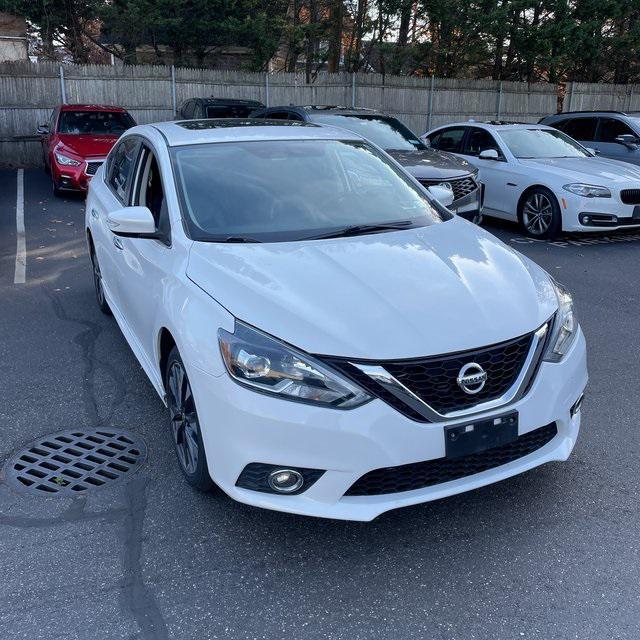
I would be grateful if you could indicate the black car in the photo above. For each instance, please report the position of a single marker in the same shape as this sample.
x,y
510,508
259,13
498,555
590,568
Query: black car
x,y
198,108
429,166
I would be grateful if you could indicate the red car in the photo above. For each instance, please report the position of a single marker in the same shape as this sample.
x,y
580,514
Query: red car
x,y
76,141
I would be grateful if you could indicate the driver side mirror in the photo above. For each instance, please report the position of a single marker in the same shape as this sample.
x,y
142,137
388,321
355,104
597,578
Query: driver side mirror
x,y
42,130
488,154
593,152
628,141
132,222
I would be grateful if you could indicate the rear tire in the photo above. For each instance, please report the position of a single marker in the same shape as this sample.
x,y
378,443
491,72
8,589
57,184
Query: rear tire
x,y
185,426
539,214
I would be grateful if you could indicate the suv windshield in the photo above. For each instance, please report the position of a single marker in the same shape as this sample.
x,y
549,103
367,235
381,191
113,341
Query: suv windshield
x,y
542,143
388,133
293,190
94,122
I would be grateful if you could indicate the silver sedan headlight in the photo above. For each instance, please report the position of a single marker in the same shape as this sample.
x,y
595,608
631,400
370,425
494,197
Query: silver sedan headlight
x,y
587,190
257,360
565,326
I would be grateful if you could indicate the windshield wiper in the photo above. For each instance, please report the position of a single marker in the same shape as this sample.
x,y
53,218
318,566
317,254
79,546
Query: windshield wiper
x,y
238,239
361,229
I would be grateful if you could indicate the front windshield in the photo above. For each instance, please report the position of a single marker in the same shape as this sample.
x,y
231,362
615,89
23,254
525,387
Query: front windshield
x,y
542,143
94,122
388,133
293,189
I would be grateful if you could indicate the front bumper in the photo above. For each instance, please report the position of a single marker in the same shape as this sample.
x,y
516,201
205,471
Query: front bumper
x,y
240,427
74,179
470,206
596,214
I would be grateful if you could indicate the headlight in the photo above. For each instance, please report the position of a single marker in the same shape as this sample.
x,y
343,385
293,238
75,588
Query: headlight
x,y
565,326
588,190
265,364
66,160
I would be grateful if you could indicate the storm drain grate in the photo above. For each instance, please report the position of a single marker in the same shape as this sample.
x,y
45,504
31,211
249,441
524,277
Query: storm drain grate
x,y
74,462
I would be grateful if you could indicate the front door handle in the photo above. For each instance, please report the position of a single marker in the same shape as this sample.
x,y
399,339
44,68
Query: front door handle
x,y
118,243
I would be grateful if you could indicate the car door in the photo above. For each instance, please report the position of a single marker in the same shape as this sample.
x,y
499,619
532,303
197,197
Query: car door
x,y
497,176
145,262
110,194
608,130
449,139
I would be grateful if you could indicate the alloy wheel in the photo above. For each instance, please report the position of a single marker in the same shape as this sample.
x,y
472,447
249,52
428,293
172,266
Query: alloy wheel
x,y
537,214
184,421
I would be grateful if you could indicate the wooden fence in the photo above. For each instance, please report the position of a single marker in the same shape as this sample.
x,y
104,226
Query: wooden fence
x,y
28,93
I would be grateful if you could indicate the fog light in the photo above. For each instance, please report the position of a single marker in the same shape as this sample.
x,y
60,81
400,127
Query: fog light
x,y
285,480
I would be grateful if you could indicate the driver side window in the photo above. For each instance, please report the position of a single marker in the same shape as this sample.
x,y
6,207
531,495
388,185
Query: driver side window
x,y
150,193
480,140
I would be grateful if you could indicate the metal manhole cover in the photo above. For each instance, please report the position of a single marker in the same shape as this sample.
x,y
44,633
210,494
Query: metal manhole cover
x,y
75,461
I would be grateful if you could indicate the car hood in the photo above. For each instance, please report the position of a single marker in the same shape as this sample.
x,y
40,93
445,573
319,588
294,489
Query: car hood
x,y
588,169
444,288
431,164
88,146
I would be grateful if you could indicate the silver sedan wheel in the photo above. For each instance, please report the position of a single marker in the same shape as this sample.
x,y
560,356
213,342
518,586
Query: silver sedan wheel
x,y
537,214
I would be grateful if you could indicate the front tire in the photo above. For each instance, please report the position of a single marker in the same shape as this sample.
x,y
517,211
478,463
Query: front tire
x,y
539,214
103,305
185,426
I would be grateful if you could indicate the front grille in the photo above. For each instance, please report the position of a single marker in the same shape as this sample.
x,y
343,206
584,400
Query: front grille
x,y
434,379
630,196
461,186
92,168
426,474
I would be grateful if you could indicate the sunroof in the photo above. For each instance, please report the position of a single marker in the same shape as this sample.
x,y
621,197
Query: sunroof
x,y
201,125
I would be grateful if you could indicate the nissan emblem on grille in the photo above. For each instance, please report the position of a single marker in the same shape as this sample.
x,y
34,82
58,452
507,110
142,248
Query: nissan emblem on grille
x,y
472,378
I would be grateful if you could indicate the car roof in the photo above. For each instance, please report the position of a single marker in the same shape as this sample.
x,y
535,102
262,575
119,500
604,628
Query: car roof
x,y
310,109
183,132
91,107
497,126
229,101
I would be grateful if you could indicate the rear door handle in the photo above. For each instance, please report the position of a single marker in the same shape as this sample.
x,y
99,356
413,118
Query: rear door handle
x,y
94,213
118,243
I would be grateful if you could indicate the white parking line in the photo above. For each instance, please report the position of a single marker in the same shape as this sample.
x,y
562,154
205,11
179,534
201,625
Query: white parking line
x,y
21,245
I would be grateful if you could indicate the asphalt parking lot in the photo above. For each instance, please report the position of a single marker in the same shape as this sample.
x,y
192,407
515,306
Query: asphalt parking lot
x,y
550,554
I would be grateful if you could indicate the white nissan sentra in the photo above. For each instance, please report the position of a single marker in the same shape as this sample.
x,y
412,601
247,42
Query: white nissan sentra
x,y
329,340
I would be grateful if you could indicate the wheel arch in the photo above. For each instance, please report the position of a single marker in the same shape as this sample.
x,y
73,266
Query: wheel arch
x,y
531,188
165,344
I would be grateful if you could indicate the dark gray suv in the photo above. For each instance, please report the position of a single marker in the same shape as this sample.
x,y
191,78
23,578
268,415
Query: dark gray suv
x,y
611,134
428,166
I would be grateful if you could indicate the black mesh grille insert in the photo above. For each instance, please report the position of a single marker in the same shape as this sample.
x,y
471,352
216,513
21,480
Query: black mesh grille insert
x,y
426,474
630,196
434,379
461,186
92,167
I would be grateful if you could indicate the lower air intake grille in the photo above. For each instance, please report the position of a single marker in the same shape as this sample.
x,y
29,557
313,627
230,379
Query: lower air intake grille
x,y
426,474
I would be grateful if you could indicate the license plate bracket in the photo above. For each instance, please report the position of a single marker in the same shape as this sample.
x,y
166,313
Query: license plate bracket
x,y
480,435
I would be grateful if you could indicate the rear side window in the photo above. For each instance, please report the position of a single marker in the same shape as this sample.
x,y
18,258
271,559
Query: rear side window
x,y
121,164
448,140
580,128
610,129
228,111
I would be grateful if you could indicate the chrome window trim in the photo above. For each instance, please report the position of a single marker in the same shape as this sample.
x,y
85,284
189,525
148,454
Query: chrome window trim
x,y
517,390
